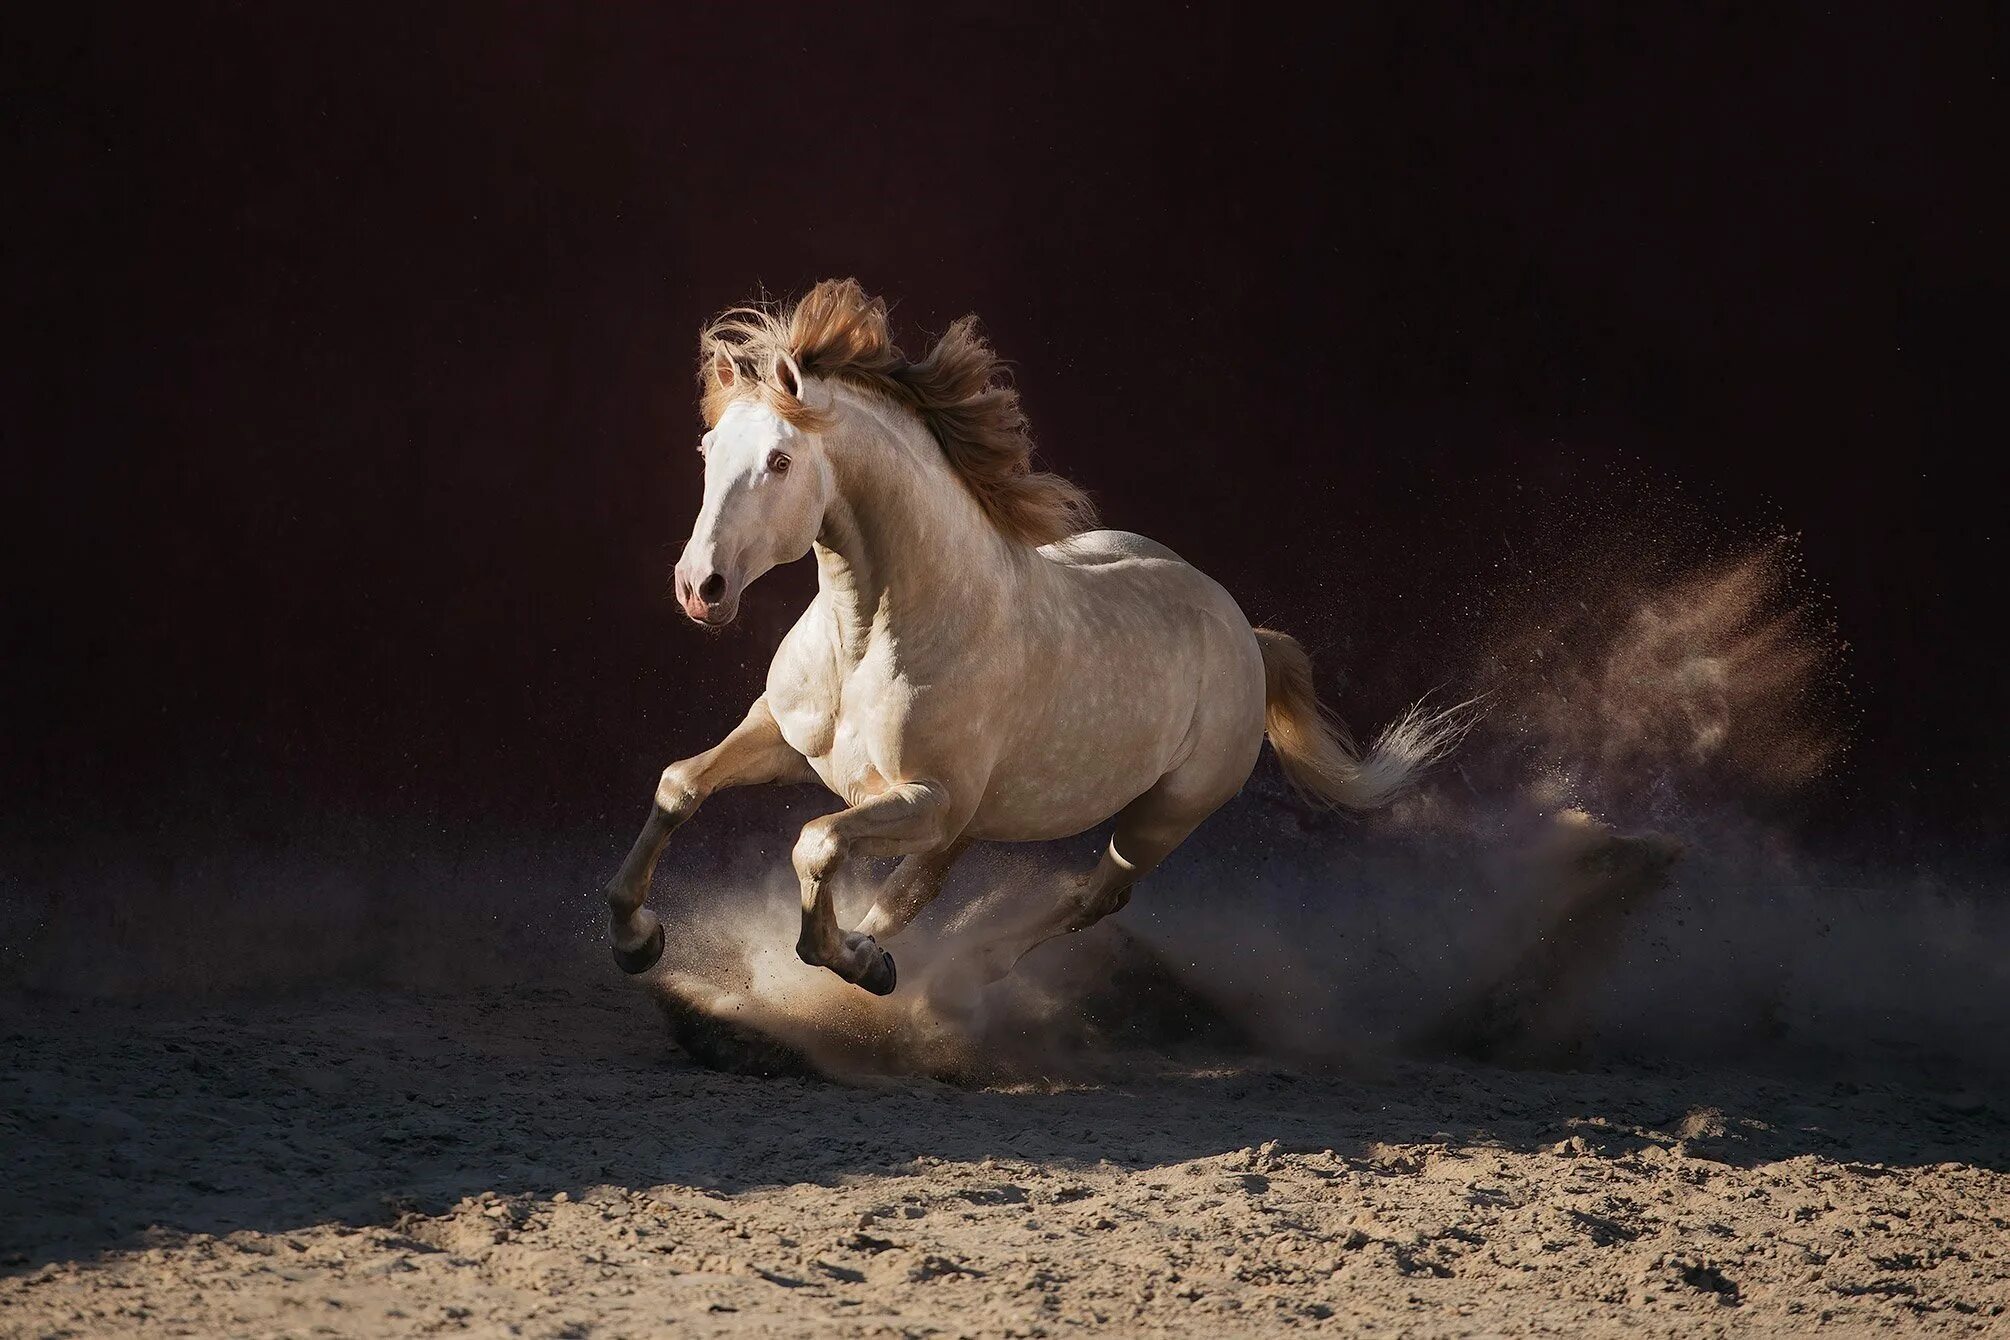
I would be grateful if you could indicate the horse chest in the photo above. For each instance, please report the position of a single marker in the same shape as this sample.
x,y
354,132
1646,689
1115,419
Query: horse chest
x,y
837,722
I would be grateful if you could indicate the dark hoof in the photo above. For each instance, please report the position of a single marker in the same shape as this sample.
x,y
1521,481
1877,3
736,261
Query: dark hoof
x,y
880,977
643,957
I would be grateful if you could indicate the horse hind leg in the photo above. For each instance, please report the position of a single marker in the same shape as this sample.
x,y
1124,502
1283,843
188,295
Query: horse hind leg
x,y
911,887
1147,831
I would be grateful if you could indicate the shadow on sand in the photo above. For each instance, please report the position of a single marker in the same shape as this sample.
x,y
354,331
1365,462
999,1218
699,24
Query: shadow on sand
x,y
125,1123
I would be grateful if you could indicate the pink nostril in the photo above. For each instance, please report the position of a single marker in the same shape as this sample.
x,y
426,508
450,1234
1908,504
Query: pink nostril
x,y
711,589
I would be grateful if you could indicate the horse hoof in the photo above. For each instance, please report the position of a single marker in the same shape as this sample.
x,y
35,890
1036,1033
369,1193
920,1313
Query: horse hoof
x,y
880,977
643,957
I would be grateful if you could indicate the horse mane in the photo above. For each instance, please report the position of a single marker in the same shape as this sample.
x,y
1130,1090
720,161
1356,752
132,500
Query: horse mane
x,y
959,389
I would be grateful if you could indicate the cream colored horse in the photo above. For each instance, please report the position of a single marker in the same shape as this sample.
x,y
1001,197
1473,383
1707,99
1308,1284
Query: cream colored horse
x,y
975,665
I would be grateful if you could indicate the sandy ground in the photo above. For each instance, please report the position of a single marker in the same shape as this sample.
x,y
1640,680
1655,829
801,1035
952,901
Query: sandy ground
x,y
542,1161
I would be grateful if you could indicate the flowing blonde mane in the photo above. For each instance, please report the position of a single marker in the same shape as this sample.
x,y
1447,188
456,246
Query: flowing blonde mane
x,y
959,389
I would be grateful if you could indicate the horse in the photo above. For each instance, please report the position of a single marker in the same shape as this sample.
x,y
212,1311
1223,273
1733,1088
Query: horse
x,y
980,663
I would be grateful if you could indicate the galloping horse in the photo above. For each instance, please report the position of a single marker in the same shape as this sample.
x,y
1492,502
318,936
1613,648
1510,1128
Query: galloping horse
x,y
978,663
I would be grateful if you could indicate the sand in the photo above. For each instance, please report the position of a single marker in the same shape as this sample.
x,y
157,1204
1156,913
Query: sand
x,y
543,1161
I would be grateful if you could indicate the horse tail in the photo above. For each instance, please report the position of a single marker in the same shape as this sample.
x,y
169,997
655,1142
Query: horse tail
x,y
1318,754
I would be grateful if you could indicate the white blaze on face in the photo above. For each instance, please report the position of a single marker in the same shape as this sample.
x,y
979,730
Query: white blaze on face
x,y
766,485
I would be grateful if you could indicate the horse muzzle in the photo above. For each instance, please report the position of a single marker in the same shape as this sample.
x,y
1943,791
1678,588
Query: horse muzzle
x,y
709,600
712,616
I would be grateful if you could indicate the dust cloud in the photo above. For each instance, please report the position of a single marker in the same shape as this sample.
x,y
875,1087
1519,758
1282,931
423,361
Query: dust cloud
x,y
1611,868
1607,871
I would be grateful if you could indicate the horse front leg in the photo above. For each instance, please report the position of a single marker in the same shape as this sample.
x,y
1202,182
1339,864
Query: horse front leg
x,y
753,752
906,819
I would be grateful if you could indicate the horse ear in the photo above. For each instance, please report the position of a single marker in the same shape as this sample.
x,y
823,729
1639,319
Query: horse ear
x,y
786,375
724,370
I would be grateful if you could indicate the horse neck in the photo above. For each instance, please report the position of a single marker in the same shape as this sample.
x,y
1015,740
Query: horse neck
x,y
904,547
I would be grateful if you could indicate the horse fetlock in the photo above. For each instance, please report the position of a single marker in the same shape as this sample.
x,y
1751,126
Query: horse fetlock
x,y
638,941
819,946
622,898
632,928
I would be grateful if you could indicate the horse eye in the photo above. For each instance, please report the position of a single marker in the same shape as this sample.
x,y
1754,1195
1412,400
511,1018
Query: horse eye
x,y
778,462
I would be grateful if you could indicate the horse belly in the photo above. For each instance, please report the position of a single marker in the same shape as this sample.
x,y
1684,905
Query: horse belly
x,y
1026,808
1102,746
1151,662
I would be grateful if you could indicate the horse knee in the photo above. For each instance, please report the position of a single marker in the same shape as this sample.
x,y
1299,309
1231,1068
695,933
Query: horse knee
x,y
677,794
638,941
817,851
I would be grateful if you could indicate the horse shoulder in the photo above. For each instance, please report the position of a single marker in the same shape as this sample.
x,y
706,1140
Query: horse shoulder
x,y
806,683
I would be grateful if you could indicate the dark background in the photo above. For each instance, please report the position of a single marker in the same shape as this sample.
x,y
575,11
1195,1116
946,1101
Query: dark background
x,y
350,416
